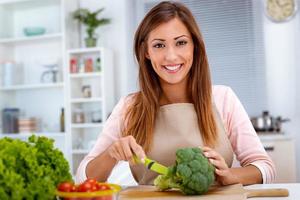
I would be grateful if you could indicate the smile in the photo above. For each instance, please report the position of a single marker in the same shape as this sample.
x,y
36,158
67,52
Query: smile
x,y
172,68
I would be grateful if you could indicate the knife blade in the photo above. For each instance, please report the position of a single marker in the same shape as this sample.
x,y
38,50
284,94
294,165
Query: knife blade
x,y
152,165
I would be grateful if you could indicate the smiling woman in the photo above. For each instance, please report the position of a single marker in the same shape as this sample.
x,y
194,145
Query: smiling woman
x,y
170,49
177,106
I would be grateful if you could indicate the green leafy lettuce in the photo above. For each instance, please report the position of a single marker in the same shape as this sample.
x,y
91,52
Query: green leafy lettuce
x,y
31,170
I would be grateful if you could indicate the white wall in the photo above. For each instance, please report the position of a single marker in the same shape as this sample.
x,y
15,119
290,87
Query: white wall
x,y
282,62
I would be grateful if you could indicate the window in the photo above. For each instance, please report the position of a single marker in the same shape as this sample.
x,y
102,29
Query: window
x,y
233,34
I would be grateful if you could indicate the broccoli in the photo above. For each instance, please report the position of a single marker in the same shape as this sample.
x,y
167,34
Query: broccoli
x,y
192,173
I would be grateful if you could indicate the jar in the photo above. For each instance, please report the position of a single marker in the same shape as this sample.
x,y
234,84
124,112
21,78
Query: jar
x,y
86,91
78,116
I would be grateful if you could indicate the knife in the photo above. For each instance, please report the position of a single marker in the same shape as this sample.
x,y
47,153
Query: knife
x,y
152,165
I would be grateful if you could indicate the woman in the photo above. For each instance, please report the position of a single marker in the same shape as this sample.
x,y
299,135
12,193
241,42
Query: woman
x,y
176,107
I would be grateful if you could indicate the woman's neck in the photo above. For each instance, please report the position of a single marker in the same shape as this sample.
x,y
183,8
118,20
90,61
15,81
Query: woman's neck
x,y
174,94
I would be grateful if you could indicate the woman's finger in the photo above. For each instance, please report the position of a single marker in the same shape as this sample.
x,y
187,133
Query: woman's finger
x,y
219,164
114,153
212,154
221,172
137,149
126,150
206,148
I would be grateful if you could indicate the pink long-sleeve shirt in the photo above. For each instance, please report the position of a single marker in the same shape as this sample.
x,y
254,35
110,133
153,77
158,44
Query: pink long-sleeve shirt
x,y
244,141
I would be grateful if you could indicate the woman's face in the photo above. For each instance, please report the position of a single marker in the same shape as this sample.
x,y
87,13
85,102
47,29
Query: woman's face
x,y
170,49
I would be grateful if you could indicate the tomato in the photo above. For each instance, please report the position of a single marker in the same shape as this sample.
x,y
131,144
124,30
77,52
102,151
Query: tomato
x,y
66,187
104,198
85,187
104,187
91,180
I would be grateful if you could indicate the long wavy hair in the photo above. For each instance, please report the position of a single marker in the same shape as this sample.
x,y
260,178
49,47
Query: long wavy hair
x,y
141,113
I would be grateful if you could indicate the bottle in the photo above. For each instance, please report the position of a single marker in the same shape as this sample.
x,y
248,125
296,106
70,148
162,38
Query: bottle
x,y
62,120
98,65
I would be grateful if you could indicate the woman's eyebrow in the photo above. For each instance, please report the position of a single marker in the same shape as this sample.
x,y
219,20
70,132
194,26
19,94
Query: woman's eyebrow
x,y
180,37
165,40
158,39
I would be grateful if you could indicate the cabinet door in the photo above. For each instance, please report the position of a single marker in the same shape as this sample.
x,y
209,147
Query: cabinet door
x,y
282,152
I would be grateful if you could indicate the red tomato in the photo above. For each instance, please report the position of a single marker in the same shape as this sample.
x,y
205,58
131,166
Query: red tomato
x,y
66,187
95,187
85,187
91,180
104,187
104,198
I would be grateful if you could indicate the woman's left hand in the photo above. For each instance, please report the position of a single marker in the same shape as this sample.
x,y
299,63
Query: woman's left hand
x,y
224,175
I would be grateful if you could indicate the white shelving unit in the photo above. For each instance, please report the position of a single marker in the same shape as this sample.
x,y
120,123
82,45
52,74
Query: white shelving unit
x,y
34,97
44,100
86,111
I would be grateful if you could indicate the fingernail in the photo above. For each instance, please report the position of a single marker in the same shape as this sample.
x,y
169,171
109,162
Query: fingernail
x,y
210,160
206,154
143,160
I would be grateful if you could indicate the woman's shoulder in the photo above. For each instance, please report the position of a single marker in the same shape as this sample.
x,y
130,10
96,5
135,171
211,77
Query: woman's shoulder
x,y
125,101
221,91
224,97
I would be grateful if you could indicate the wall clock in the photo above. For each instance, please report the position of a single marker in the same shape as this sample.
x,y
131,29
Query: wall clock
x,y
280,10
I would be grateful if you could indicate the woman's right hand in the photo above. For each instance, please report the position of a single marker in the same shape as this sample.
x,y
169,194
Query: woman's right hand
x,y
125,148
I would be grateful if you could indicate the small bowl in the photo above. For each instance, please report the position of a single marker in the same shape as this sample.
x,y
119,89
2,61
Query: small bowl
x,y
32,31
111,194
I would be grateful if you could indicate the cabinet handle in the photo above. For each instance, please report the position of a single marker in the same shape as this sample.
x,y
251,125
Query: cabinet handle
x,y
271,148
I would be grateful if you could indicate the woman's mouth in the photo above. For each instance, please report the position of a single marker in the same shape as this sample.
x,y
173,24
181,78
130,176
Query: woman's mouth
x,y
172,68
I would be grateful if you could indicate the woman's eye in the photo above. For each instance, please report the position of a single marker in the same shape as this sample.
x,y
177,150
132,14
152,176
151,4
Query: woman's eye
x,y
180,43
158,45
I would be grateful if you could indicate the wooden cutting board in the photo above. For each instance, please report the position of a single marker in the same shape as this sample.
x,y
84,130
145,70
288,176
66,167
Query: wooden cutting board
x,y
231,192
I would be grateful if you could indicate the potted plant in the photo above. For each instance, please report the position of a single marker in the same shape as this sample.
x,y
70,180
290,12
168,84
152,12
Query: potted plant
x,y
90,20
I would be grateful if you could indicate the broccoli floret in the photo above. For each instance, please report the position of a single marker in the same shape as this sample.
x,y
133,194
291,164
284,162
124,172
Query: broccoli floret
x,y
192,173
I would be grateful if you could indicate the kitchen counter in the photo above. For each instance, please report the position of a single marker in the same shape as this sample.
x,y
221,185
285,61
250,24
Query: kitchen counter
x,y
294,190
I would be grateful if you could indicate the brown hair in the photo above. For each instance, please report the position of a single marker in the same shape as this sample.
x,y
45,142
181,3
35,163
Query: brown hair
x,y
140,116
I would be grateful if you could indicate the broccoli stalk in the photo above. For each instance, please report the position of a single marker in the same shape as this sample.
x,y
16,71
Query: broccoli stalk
x,y
192,173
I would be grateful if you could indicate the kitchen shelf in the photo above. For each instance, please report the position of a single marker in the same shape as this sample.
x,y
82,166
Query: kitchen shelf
x,y
32,86
23,135
80,151
86,100
40,38
84,50
87,125
86,75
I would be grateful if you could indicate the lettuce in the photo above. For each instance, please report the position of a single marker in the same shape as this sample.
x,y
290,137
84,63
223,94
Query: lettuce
x,y
31,170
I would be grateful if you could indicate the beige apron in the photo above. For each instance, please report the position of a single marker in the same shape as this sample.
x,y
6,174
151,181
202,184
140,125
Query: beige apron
x,y
176,127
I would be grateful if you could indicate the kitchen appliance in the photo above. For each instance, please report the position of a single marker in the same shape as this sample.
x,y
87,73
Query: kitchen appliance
x,y
268,123
232,192
50,74
10,118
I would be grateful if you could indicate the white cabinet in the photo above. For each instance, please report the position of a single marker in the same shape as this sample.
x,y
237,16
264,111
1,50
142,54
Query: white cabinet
x,y
32,65
281,149
27,82
90,97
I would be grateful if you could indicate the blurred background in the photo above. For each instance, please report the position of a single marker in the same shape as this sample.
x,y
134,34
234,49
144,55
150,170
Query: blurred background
x,y
60,76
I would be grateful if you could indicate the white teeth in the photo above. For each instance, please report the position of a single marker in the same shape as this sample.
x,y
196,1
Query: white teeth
x,y
173,67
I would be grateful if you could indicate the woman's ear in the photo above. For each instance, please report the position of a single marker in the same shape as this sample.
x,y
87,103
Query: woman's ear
x,y
147,55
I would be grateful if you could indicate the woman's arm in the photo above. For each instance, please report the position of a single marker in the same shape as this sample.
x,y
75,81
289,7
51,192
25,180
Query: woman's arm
x,y
109,148
226,176
100,167
123,149
246,144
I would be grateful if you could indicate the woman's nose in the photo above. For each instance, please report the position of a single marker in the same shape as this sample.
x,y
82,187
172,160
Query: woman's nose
x,y
171,54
